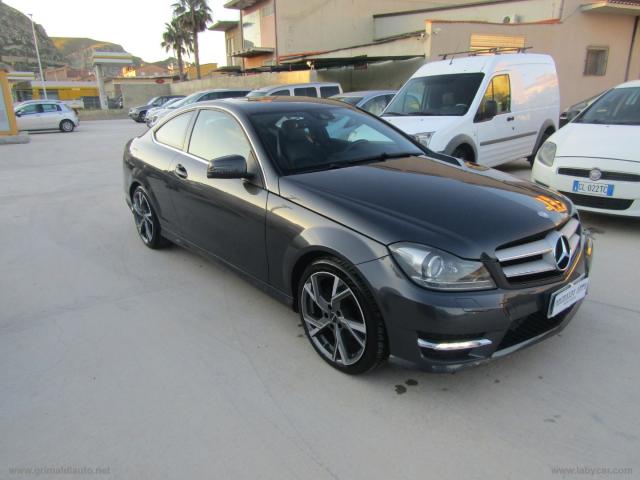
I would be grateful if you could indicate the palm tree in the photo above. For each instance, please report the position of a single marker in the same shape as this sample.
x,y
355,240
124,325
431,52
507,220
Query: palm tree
x,y
177,39
194,15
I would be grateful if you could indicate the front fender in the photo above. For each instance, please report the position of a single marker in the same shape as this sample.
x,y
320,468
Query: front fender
x,y
294,232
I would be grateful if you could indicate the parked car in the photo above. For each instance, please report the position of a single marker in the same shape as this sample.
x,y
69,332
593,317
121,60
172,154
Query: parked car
x,y
372,101
316,90
154,110
595,159
202,96
487,109
45,115
138,114
573,111
382,246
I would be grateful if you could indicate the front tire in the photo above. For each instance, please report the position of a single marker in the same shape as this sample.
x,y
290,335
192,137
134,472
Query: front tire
x,y
340,317
67,126
146,220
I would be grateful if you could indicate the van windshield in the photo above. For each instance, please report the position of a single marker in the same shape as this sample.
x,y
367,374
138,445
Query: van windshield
x,y
437,95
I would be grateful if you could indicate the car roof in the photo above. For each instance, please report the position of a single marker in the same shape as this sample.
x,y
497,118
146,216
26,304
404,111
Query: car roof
x,y
365,93
482,63
251,105
631,84
294,85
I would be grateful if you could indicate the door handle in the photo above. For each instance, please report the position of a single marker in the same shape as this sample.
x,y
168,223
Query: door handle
x,y
510,119
180,171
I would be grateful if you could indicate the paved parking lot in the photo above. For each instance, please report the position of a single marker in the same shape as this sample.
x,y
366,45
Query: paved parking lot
x,y
158,364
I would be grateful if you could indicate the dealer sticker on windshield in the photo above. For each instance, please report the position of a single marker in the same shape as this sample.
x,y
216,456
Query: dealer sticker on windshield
x,y
563,299
588,188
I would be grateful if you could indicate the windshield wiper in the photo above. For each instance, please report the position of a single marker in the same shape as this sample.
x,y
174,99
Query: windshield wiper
x,y
393,114
372,159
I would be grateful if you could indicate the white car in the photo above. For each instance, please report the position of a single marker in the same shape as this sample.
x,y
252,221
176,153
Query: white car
x,y
595,159
45,115
487,109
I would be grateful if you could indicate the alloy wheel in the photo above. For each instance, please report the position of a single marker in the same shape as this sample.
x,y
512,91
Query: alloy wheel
x,y
143,216
333,318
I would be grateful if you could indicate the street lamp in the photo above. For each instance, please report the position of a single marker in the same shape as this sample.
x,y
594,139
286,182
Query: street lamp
x,y
35,42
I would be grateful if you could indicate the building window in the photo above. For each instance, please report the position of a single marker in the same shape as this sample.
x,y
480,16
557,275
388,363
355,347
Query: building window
x,y
596,62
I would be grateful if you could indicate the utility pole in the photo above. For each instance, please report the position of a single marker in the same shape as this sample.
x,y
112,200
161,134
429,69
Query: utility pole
x,y
35,42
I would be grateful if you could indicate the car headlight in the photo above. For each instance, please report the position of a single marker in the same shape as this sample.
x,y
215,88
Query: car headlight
x,y
547,153
438,270
424,138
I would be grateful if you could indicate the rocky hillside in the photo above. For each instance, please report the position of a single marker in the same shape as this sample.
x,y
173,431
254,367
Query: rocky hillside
x,y
16,41
17,50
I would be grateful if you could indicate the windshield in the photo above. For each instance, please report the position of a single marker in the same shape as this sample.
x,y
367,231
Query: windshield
x,y
441,95
349,100
321,137
620,106
258,93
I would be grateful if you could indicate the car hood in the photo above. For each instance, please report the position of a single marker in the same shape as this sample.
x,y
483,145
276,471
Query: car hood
x,y
468,211
620,142
413,125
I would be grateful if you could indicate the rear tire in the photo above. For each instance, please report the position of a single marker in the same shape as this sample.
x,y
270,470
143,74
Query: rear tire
x,y
146,220
67,126
340,317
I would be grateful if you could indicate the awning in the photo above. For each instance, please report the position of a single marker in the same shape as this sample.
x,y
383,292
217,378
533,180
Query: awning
x,y
620,7
224,25
328,62
241,4
253,52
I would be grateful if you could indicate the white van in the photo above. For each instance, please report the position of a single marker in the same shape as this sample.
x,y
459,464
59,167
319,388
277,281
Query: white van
x,y
489,109
316,89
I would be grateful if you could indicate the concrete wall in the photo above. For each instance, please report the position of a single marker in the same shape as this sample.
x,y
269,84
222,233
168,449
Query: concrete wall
x,y
250,82
317,25
134,95
386,75
524,11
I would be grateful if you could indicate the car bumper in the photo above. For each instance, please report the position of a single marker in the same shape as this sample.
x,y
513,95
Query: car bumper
x,y
625,200
424,325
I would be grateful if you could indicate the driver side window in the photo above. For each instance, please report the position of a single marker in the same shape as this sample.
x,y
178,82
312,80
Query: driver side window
x,y
30,109
499,91
216,134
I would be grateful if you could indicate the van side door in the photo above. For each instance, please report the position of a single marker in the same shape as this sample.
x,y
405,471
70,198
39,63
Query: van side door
x,y
496,124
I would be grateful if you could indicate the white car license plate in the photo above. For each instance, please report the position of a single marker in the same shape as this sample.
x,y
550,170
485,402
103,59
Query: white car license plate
x,y
563,299
601,189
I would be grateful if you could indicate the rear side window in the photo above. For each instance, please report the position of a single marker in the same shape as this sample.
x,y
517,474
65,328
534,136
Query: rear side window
x,y
173,132
326,92
50,107
281,93
233,94
305,92
499,90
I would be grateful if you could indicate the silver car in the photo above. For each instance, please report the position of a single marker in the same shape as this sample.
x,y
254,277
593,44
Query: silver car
x,y
372,101
45,115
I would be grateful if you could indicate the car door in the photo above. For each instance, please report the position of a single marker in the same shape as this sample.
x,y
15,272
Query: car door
x,y
51,116
28,116
224,217
496,135
159,155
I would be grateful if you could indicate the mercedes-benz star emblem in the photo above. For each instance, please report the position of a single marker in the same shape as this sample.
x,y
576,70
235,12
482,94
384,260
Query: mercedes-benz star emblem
x,y
595,174
562,253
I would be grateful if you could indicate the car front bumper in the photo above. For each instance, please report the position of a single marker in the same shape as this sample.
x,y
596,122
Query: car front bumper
x,y
625,200
423,325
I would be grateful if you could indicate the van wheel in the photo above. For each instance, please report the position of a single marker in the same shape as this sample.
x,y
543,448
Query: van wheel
x,y
531,158
464,153
67,126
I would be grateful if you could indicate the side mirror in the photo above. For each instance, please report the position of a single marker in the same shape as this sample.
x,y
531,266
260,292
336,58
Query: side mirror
x,y
229,166
490,110
18,114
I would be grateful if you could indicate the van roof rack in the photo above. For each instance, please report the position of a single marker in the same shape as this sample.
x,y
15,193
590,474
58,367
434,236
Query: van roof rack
x,y
485,51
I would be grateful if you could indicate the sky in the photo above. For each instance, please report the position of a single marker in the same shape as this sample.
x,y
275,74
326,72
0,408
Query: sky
x,y
137,25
